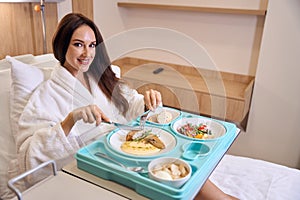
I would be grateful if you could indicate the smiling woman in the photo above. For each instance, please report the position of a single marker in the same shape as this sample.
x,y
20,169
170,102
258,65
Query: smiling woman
x,y
82,91
60,108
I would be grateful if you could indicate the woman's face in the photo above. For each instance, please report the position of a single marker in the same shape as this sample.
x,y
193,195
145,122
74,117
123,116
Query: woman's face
x,y
81,50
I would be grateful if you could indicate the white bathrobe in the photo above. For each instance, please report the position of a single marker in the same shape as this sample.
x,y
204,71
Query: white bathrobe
x,y
41,136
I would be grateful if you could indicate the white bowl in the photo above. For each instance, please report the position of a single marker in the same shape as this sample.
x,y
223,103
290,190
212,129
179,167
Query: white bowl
x,y
153,116
160,176
217,129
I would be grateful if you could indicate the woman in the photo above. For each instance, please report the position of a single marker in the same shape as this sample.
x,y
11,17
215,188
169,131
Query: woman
x,y
82,89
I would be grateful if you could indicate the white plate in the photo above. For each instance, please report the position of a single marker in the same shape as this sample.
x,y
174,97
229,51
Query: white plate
x,y
119,137
217,129
175,114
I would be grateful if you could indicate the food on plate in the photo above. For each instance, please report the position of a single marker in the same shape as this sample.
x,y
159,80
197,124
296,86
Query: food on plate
x,y
145,137
139,148
170,171
199,131
163,117
142,143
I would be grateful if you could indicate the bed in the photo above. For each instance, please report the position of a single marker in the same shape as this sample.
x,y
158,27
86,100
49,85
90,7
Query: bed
x,y
245,178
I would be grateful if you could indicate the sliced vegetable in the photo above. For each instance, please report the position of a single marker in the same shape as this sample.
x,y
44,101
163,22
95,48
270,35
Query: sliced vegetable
x,y
199,131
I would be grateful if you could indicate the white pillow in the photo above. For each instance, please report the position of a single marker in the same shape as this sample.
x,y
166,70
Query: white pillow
x,y
18,81
116,69
26,58
25,79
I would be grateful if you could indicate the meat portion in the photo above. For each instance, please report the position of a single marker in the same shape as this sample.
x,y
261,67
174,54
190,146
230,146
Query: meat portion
x,y
145,136
130,134
155,141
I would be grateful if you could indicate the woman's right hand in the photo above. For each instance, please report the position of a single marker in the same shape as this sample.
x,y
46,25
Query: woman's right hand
x,y
89,114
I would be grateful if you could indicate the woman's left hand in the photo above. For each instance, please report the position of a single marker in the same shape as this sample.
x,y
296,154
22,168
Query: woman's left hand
x,y
152,99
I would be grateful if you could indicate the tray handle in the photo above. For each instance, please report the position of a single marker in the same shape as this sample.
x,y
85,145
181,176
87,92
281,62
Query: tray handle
x,y
23,175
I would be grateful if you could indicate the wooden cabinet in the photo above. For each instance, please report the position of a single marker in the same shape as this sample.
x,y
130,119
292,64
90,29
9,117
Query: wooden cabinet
x,y
220,95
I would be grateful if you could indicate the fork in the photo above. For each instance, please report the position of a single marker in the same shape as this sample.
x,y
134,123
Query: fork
x,y
134,169
143,119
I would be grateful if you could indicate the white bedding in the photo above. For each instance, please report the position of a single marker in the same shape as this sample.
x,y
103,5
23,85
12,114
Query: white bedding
x,y
253,179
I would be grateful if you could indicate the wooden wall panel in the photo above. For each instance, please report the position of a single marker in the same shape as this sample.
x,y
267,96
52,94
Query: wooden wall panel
x,y
15,25
21,28
84,6
51,24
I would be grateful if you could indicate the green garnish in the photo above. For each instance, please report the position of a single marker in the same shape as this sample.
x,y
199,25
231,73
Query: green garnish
x,y
145,134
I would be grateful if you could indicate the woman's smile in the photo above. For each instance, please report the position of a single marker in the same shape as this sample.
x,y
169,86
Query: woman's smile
x,y
84,61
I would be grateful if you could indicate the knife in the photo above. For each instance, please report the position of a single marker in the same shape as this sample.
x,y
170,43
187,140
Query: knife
x,y
125,126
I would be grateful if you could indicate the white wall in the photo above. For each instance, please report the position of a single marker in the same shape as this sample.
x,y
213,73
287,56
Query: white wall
x,y
63,8
273,131
227,38
108,18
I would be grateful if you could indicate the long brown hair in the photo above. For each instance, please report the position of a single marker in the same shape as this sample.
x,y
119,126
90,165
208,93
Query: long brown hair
x,y
100,68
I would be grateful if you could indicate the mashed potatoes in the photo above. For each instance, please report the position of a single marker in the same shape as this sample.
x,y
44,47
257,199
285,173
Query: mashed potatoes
x,y
139,148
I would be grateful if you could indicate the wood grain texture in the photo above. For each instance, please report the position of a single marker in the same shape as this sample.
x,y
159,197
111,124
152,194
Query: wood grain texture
x,y
21,28
221,95
84,7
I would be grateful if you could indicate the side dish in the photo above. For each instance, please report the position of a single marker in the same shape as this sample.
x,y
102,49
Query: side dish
x,y
170,171
199,131
163,117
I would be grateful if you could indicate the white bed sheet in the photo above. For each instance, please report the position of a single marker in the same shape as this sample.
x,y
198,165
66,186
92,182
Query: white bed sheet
x,y
252,179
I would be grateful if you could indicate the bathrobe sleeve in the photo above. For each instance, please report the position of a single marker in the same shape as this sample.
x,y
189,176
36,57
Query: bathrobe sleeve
x,y
40,137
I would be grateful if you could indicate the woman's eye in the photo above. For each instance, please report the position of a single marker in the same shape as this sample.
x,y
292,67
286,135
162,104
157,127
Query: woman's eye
x,y
93,45
78,44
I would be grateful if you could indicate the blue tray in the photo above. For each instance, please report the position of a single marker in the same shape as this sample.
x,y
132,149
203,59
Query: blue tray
x,y
141,183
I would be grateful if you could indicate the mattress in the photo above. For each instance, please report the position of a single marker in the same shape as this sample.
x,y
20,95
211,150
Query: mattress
x,y
253,179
